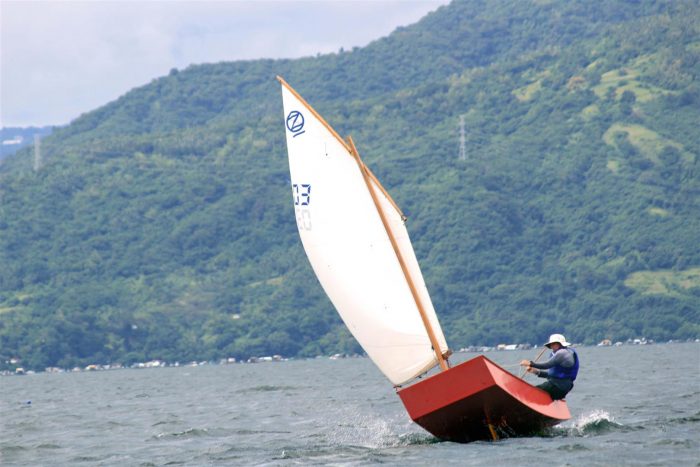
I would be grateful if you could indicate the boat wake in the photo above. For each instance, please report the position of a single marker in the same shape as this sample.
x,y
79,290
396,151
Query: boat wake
x,y
369,432
355,436
416,439
373,432
594,423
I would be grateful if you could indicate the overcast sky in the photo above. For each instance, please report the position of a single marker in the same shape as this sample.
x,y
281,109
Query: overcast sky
x,y
59,59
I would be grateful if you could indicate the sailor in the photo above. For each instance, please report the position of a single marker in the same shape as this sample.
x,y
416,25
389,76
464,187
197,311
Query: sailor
x,y
560,370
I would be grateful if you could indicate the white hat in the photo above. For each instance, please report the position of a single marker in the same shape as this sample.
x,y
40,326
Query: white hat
x,y
557,338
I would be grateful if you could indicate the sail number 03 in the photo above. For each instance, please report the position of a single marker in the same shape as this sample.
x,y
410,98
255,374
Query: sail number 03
x,y
302,194
302,197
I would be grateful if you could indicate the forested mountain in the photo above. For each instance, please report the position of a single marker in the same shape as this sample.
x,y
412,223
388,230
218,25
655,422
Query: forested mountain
x,y
161,225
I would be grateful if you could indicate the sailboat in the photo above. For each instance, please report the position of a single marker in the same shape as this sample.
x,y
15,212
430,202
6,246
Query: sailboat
x,y
356,240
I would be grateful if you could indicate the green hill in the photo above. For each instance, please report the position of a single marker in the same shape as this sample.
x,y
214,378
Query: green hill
x,y
160,225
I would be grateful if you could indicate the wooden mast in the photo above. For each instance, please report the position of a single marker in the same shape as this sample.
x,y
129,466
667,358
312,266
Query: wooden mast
x,y
414,291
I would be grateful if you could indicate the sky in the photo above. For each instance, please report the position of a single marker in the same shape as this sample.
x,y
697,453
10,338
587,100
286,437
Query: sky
x,y
60,59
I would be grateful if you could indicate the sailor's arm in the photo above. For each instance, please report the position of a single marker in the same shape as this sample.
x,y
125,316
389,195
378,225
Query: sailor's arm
x,y
561,357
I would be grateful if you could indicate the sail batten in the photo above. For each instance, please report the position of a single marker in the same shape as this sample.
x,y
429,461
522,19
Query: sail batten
x,y
350,250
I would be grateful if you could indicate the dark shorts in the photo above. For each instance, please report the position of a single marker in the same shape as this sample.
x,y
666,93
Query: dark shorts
x,y
557,388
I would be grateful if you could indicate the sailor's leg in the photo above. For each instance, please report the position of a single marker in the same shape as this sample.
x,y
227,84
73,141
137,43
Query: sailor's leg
x,y
551,389
557,391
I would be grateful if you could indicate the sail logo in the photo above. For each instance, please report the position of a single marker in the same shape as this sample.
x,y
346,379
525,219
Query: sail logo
x,y
295,123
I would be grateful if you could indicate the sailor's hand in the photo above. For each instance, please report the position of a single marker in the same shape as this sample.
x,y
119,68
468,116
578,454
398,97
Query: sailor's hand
x,y
532,370
525,363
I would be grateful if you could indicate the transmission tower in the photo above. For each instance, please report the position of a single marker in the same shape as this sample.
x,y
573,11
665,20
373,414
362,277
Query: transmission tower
x,y
462,140
37,152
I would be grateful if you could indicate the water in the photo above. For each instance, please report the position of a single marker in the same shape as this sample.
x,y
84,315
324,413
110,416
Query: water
x,y
632,405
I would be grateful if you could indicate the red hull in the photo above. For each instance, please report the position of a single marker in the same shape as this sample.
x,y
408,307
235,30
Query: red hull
x,y
478,400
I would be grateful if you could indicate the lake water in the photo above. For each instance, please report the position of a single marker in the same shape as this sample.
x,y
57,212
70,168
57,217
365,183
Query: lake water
x,y
632,405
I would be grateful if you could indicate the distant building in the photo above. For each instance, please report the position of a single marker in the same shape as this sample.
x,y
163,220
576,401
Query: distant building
x,y
14,141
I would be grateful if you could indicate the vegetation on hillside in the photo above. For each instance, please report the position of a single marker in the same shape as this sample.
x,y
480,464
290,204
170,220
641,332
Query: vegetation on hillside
x,y
160,225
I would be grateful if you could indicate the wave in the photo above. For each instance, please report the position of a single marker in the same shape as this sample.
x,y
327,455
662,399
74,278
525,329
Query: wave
x,y
690,395
265,388
49,446
576,447
695,418
7,450
594,423
189,433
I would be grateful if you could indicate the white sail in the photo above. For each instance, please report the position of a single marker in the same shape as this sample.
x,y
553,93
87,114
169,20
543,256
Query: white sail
x,y
349,248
